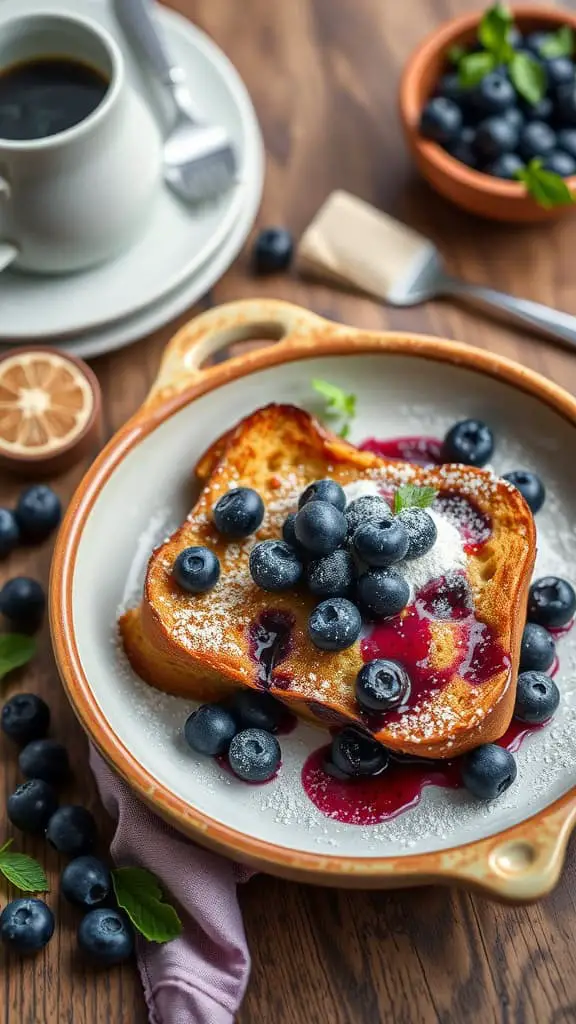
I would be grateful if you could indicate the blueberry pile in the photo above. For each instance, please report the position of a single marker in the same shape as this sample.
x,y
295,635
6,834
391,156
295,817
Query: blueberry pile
x,y
27,924
242,730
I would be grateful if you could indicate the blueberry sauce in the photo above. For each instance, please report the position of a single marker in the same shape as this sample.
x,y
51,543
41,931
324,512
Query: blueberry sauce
x,y
422,451
269,645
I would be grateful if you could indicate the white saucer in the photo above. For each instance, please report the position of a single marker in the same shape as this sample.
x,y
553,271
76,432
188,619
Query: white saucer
x,y
170,266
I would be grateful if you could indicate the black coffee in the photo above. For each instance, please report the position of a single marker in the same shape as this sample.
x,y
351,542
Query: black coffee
x,y
43,97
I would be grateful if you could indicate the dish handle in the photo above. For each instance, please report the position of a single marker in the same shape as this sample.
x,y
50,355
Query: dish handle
x,y
249,319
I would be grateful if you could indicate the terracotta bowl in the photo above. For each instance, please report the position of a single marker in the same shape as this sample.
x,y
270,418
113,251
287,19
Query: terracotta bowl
x,y
140,487
473,191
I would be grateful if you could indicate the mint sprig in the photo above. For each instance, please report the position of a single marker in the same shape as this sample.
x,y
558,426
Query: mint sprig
x,y
339,404
558,44
528,77
22,871
546,187
138,893
16,650
410,496
494,34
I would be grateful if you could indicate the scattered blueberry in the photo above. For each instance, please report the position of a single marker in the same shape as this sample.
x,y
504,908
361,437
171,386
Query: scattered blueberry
x,y
537,697
9,532
106,936
356,754
274,565
567,141
254,755
421,530
22,602
256,709
383,593
560,163
515,117
273,251
441,120
86,882
210,729
463,148
559,70
196,570
505,166
363,510
530,486
324,490
566,103
25,717
331,576
45,759
494,94
31,806
488,771
470,442
382,542
239,512
536,139
38,512
72,830
494,136
335,624
538,648
551,602
26,925
382,685
320,527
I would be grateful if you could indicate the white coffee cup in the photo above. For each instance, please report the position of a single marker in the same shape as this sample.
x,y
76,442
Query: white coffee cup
x,y
75,199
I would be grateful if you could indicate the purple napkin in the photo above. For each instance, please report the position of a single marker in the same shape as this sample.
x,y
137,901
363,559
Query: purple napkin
x,y
201,977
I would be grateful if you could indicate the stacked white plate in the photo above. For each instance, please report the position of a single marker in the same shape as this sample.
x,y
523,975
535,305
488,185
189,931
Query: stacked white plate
x,y
184,250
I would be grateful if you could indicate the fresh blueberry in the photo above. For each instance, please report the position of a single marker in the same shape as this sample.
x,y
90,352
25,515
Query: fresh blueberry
x,y
382,542
26,925
494,93
365,510
421,530
324,490
9,532
239,512
355,754
25,717
537,650
383,593
22,602
254,755
449,86
72,830
273,251
560,163
505,166
515,117
86,882
256,709
274,565
441,120
566,103
534,41
210,729
320,527
31,806
463,148
542,110
494,136
488,771
38,512
331,576
334,624
530,486
559,70
106,936
537,139
289,535
567,141
551,602
537,697
382,685
45,759
470,442
196,570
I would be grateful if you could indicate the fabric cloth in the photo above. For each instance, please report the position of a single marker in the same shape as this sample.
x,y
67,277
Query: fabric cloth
x,y
199,978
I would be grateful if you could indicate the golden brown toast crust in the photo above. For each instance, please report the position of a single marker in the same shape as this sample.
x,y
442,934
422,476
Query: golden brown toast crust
x,y
204,646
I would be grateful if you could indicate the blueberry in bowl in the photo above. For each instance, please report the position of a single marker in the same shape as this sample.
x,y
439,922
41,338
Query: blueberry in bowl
x,y
254,755
354,754
488,771
470,442
530,486
210,730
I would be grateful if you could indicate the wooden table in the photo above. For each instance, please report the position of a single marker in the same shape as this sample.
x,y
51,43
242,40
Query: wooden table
x,y
323,75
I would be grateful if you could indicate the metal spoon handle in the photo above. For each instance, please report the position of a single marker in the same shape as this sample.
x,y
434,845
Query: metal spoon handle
x,y
137,20
551,322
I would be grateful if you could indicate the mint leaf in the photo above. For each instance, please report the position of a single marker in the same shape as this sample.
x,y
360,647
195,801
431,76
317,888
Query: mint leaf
x,y
455,54
339,404
545,187
410,496
494,32
528,77
22,871
15,651
558,44
473,68
138,893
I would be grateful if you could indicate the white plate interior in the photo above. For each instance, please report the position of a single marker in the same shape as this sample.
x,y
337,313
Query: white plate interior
x,y
179,239
151,492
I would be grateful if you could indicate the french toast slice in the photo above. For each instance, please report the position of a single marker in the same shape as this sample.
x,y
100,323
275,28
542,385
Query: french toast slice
x,y
205,646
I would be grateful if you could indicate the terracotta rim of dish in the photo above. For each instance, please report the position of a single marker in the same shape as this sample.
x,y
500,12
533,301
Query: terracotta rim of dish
x,y
521,863
440,40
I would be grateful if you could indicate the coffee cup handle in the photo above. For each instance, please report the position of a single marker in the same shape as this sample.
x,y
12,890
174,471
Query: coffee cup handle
x,y
8,251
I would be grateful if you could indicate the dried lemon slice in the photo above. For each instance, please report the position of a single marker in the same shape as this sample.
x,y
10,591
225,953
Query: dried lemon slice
x,y
49,409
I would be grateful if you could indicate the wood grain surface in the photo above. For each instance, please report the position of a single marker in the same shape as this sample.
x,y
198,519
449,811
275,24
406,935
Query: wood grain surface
x,y
323,75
